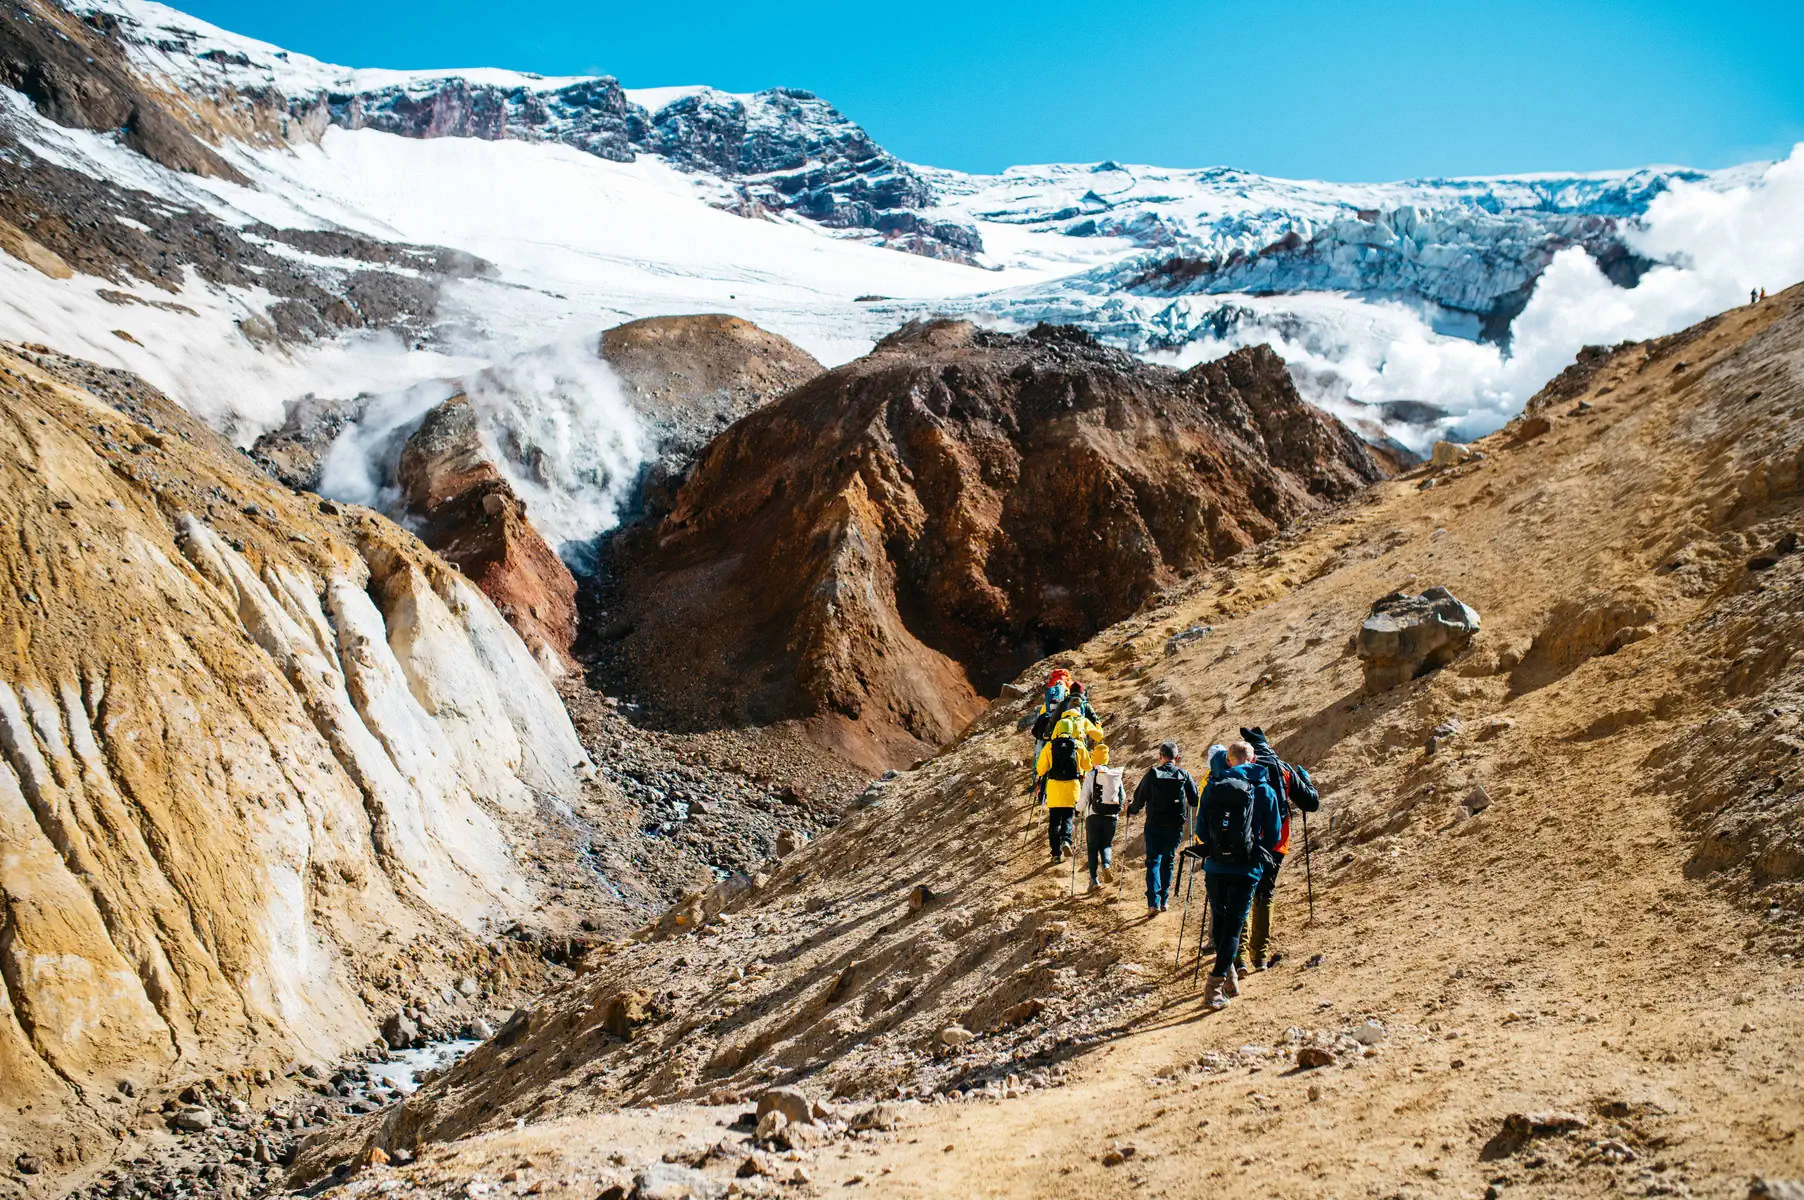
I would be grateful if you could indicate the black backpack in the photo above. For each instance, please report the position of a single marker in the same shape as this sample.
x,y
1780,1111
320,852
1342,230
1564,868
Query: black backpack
x,y
1228,822
1043,725
1064,759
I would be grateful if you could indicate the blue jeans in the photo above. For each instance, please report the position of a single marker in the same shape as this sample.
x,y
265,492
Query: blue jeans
x,y
1161,856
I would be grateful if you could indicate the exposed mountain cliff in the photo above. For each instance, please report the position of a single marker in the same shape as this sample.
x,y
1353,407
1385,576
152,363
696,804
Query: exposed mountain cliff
x,y
257,751
885,545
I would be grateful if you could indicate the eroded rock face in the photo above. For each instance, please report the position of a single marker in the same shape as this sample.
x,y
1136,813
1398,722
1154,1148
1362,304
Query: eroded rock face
x,y
890,542
1407,636
75,74
473,517
252,746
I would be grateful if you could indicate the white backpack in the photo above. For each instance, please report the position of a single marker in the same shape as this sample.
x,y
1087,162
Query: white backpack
x,y
1103,792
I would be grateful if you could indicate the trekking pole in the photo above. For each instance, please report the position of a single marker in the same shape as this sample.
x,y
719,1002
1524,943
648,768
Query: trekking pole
x,y
1184,914
1033,789
1308,874
1200,942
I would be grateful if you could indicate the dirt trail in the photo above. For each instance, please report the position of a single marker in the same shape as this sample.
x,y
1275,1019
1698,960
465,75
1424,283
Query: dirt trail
x,y
1613,944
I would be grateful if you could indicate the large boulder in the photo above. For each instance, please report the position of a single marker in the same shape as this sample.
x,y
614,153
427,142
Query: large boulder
x,y
1406,636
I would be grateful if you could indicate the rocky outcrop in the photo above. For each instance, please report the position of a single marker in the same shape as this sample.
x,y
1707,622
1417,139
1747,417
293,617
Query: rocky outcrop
x,y
690,377
886,544
1406,636
473,517
64,221
77,75
258,753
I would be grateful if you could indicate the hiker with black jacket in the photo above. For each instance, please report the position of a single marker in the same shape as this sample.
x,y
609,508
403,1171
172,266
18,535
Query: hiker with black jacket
x,y
1258,948
1167,794
1238,823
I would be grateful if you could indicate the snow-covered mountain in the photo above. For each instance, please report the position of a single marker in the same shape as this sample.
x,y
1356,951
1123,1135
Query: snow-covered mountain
x,y
333,231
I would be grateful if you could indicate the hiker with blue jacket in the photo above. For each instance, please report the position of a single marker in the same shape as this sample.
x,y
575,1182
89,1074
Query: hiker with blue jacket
x,y
1296,790
1239,824
1167,794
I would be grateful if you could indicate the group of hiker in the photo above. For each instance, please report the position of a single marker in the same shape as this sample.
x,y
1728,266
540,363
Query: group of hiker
x,y
1236,828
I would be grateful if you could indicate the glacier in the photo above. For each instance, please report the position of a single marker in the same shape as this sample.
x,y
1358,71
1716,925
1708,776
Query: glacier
x,y
1415,309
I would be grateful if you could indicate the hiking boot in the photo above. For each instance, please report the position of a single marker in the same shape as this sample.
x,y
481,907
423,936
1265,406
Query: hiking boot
x,y
1108,874
1230,985
1153,910
1214,997
1094,885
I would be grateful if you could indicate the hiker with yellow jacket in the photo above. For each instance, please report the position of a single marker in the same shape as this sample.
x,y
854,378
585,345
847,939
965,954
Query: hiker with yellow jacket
x,y
1075,746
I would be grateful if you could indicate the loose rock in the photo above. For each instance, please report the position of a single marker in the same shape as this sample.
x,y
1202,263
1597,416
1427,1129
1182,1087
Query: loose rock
x,y
1406,636
791,1102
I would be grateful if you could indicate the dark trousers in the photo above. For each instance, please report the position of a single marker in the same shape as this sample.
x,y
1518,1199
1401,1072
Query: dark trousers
x,y
1257,943
1058,828
1161,855
1099,832
1230,896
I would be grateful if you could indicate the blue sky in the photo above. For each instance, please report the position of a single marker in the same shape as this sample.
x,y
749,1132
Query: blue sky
x,y
1306,89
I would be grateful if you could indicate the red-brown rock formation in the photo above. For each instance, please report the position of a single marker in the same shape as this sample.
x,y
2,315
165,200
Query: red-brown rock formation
x,y
886,544
474,519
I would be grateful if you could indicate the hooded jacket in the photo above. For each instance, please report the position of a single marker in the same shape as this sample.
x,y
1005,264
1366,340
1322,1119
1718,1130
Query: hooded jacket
x,y
1092,751
1268,821
1282,776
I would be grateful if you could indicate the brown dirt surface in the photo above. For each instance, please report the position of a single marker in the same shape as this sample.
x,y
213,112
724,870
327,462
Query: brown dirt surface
x,y
692,376
1592,987
888,543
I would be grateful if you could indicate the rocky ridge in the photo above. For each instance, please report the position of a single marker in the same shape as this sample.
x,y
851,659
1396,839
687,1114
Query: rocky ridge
x,y
471,515
886,544
690,377
779,151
